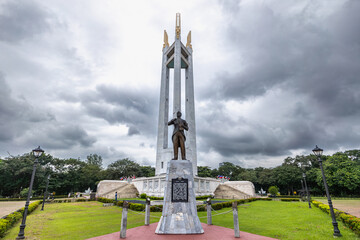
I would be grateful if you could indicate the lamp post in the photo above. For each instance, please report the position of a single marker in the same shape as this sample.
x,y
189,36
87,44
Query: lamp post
x,y
37,152
318,152
302,190
306,189
46,192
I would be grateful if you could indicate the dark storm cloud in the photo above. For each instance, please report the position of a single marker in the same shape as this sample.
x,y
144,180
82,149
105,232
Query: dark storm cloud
x,y
68,136
22,19
135,108
132,131
16,115
318,57
21,122
316,60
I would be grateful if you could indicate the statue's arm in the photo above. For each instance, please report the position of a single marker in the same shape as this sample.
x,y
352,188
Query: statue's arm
x,y
186,127
171,122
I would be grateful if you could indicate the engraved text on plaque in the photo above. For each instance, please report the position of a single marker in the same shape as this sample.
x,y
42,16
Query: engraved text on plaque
x,y
179,190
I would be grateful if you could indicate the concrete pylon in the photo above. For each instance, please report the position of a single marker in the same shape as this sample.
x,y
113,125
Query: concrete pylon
x,y
176,56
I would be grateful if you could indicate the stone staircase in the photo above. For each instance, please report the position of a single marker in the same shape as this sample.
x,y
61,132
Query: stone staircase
x,y
227,192
124,191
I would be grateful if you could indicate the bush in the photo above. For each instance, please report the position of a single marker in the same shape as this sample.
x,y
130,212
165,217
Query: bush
x,y
4,225
203,197
289,196
290,199
33,198
143,195
155,198
273,190
136,206
201,208
156,208
11,219
105,200
349,220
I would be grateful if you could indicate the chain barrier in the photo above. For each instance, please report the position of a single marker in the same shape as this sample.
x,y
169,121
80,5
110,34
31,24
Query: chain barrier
x,y
218,214
137,212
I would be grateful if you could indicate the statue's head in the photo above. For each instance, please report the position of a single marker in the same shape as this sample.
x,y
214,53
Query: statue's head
x,y
178,114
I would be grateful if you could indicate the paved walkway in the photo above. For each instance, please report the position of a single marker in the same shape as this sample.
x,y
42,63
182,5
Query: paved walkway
x,y
11,206
350,206
211,232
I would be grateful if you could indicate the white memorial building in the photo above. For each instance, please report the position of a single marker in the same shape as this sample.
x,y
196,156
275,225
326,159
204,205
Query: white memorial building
x,y
177,58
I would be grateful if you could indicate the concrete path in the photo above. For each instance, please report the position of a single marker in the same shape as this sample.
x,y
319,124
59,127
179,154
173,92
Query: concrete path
x,y
11,206
211,232
350,206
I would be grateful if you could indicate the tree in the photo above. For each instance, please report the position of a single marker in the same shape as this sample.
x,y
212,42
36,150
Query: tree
x,y
231,170
94,159
273,190
288,177
146,171
342,174
122,168
204,171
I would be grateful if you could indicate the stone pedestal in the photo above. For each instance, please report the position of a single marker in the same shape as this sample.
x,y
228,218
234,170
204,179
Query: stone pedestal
x,y
179,215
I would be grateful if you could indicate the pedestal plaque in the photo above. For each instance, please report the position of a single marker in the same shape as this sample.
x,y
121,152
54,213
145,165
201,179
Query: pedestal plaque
x,y
179,190
179,215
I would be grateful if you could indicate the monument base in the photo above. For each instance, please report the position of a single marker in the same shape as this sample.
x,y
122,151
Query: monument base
x,y
179,215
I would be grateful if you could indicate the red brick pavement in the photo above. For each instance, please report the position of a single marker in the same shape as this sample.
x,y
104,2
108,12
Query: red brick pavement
x,y
211,232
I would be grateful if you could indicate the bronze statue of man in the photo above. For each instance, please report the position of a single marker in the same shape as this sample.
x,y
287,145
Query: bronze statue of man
x,y
178,136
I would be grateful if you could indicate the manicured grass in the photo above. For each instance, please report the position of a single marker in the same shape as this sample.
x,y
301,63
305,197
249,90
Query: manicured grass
x,y
73,221
282,220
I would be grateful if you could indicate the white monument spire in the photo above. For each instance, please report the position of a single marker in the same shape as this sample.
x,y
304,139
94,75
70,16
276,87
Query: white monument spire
x,y
176,57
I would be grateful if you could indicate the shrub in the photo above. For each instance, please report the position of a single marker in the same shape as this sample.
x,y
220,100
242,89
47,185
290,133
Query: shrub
x,y
201,208
105,200
273,190
156,208
349,220
11,219
265,199
4,225
136,206
155,198
143,195
203,197
290,199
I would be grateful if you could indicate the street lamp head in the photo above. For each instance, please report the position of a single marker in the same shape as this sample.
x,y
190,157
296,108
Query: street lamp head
x,y
317,151
37,151
48,177
304,175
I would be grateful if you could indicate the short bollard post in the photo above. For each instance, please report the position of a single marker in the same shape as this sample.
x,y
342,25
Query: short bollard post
x,y
236,219
147,212
124,220
208,208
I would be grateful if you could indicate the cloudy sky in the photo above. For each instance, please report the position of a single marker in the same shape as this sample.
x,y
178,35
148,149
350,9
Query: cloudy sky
x,y
272,78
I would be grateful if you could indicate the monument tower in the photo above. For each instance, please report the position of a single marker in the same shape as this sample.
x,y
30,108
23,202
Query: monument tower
x,y
176,57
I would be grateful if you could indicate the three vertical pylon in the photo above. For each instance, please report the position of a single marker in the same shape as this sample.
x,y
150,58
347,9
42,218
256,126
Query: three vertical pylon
x,y
176,57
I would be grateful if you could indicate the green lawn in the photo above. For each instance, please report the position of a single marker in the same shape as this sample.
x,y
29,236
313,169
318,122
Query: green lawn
x,y
282,220
73,221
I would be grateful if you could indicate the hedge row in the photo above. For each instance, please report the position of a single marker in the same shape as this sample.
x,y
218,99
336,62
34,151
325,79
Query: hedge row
x,y
33,198
349,220
71,200
218,206
7,222
200,208
289,196
290,199
144,196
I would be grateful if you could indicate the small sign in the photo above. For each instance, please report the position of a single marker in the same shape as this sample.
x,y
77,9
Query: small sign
x,y
179,190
